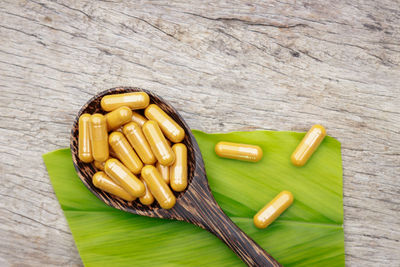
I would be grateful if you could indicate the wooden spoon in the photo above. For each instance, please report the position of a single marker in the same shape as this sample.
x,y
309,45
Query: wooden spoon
x,y
195,205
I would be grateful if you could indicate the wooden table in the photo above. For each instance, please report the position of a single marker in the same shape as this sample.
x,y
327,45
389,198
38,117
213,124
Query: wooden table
x,y
277,65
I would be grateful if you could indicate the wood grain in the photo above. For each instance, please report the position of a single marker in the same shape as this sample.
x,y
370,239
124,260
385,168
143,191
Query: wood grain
x,y
275,65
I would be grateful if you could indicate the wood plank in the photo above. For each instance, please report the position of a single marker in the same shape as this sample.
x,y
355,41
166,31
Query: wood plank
x,y
276,65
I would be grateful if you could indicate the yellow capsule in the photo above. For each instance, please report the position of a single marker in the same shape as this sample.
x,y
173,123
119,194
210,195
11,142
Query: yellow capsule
x,y
239,151
105,183
169,127
273,209
99,165
308,145
123,177
138,100
136,138
158,188
125,152
118,117
178,170
99,137
139,119
148,198
158,143
164,171
85,148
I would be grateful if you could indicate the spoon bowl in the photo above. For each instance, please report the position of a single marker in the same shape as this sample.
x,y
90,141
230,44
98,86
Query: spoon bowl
x,y
195,204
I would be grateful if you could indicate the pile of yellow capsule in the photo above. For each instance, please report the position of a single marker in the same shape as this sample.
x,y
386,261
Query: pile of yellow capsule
x,y
253,153
123,144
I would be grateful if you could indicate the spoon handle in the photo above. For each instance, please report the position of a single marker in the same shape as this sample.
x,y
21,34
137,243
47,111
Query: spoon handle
x,y
211,217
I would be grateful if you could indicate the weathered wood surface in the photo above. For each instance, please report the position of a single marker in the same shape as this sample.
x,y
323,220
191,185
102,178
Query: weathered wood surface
x,y
276,65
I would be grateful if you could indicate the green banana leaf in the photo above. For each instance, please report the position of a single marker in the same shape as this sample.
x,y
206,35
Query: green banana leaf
x,y
309,233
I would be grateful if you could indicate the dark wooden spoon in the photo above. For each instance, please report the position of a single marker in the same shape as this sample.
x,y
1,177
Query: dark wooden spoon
x,y
195,205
